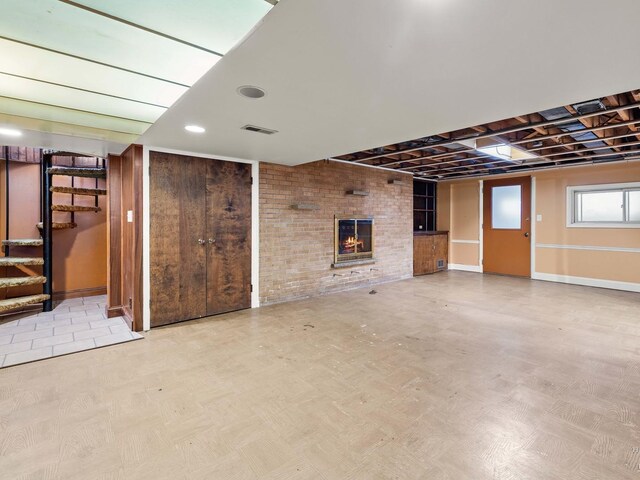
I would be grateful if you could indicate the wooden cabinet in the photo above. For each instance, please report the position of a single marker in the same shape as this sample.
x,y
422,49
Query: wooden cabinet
x,y
200,237
430,252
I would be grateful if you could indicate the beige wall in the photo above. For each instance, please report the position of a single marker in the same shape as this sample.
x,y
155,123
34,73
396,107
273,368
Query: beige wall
x,y
551,203
460,216
297,246
560,251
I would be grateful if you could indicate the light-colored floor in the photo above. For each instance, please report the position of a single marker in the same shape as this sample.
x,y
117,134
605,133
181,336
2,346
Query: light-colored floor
x,y
451,376
74,325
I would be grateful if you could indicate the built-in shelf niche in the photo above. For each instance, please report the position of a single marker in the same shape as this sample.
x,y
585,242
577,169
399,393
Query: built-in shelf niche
x,y
305,206
396,181
424,206
358,193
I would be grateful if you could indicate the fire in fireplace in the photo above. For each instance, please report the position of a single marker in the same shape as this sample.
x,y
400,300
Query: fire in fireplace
x,y
353,239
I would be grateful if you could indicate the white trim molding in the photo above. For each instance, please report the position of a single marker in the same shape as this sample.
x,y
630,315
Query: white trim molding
x,y
474,242
481,224
465,268
146,244
587,282
588,247
532,225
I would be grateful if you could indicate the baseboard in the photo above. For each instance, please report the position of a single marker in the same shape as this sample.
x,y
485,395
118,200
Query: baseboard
x,y
127,314
115,312
83,292
587,282
465,268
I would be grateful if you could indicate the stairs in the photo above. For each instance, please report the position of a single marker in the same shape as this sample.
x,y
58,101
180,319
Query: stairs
x,y
79,191
20,261
34,278
74,208
78,172
9,282
21,281
19,302
25,242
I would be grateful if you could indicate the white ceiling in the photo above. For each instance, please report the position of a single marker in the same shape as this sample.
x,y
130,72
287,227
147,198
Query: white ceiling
x,y
343,76
94,75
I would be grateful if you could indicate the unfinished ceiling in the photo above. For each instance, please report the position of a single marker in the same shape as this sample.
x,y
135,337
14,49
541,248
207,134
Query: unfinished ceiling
x,y
594,131
91,76
345,76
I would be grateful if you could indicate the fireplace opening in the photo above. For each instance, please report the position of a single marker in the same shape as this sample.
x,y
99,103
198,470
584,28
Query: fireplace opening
x,y
353,239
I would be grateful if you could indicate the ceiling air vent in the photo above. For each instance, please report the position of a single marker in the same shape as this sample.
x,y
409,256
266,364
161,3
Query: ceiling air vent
x,y
588,107
253,128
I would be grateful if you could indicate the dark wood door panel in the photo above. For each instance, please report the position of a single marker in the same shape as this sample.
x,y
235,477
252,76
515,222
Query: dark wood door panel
x,y
177,216
229,227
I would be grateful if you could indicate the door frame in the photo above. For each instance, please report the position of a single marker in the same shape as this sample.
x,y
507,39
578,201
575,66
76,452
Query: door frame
x,y
146,225
533,222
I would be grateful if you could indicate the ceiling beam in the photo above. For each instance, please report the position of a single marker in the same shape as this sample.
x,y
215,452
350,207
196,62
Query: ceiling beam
x,y
478,135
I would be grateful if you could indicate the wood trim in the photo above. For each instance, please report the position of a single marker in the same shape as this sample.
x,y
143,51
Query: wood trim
x,y
82,292
115,312
125,239
137,247
114,232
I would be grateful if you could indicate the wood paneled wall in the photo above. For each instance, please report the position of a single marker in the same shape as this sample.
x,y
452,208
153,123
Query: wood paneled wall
x,y
125,238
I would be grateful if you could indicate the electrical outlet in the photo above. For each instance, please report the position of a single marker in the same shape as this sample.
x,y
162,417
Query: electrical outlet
x,y
130,216
539,217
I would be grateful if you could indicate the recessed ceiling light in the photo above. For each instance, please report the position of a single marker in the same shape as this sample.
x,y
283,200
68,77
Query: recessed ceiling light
x,y
194,129
10,132
249,91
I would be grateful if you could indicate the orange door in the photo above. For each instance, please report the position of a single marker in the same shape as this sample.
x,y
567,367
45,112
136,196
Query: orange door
x,y
507,226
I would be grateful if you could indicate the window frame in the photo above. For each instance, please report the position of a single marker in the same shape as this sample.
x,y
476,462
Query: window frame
x,y
571,205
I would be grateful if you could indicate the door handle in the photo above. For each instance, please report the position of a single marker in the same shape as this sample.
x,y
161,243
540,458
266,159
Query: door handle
x,y
202,241
212,240
526,234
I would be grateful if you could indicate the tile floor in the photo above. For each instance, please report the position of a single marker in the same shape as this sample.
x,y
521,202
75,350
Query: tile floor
x,y
73,326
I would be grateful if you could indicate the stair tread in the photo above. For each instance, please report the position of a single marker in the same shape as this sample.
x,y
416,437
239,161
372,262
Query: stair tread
x,y
20,281
74,208
78,172
59,225
22,242
14,261
13,303
79,191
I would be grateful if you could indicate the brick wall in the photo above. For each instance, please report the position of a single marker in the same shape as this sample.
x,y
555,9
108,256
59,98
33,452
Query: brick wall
x,y
296,246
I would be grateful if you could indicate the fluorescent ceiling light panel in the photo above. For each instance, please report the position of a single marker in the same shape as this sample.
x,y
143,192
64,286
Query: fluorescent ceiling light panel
x,y
31,90
34,63
48,113
65,28
194,129
217,25
10,132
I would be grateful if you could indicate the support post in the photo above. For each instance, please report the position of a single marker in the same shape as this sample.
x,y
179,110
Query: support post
x,y
6,213
47,231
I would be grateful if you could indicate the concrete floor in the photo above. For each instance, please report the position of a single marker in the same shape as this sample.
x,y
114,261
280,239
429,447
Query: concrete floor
x,y
451,376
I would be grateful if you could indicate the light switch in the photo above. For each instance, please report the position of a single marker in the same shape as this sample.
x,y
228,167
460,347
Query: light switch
x,y
130,216
539,217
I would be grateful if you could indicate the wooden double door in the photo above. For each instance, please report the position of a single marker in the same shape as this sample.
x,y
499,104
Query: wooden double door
x,y
200,252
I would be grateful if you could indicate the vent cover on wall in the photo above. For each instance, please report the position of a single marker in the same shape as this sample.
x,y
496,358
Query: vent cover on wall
x,y
440,264
253,128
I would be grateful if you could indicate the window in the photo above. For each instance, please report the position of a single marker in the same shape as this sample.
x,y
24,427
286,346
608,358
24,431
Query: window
x,y
615,205
506,207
